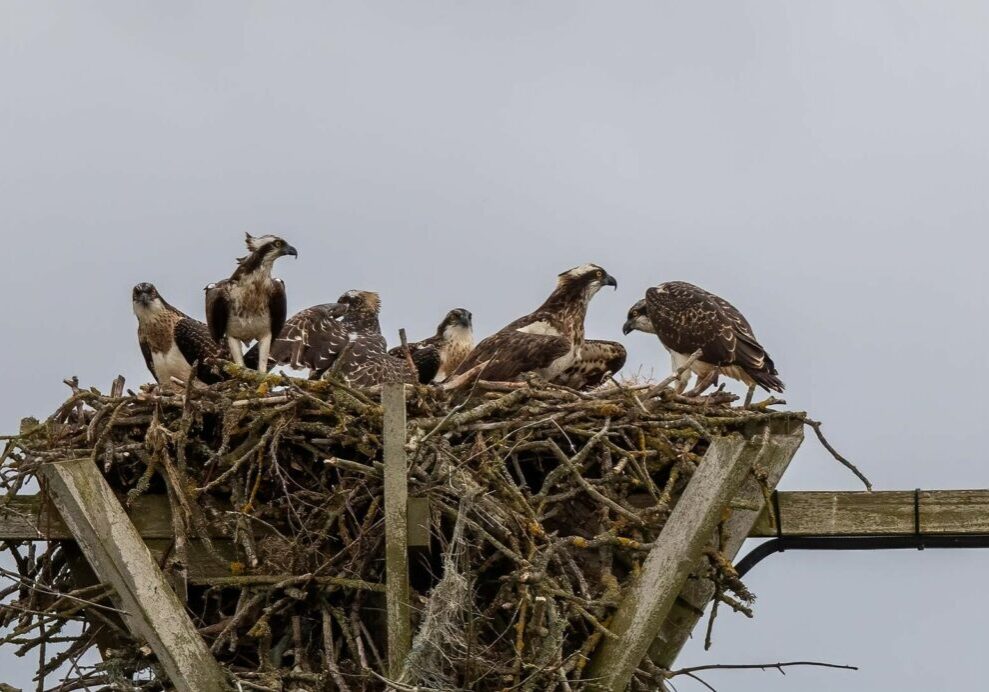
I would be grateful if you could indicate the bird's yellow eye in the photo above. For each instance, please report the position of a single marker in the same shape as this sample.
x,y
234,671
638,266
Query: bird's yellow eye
x,y
279,243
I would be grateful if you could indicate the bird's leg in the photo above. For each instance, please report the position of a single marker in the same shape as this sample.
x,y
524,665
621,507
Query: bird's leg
x,y
264,348
236,350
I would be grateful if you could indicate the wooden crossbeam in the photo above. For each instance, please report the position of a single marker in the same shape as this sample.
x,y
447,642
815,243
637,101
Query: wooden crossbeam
x,y
803,513
883,513
119,557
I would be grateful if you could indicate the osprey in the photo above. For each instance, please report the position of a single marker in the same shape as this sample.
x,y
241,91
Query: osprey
x,y
365,361
687,318
597,360
308,335
438,356
250,305
172,342
315,338
547,341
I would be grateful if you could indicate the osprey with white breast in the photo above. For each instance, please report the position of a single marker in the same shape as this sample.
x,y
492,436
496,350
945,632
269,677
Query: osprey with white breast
x,y
546,341
687,319
437,357
251,304
172,342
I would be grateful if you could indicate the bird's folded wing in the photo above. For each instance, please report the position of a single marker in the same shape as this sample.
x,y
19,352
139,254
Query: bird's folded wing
x,y
510,353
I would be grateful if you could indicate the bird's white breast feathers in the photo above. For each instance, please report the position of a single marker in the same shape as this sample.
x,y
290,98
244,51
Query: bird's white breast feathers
x,y
171,364
541,327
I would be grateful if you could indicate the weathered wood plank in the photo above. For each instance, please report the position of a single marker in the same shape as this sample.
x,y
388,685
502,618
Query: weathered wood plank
x,y
120,558
688,530
886,513
26,518
396,490
773,457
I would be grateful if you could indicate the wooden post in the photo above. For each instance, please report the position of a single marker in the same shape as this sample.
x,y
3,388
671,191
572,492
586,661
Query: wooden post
x,y
120,558
687,532
396,528
773,458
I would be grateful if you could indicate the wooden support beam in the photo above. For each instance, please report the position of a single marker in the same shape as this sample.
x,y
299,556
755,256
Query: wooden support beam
x,y
687,532
885,513
398,612
120,558
772,457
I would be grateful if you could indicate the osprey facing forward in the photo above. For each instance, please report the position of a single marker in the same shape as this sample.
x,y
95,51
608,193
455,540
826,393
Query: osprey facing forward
x,y
547,341
437,357
687,318
172,342
250,305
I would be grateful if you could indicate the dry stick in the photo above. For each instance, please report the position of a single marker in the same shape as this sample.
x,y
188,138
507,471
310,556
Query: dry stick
x,y
756,666
816,425
406,350
665,382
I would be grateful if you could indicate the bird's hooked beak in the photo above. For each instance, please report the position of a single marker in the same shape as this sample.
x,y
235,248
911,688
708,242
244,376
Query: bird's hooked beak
x,y
464,318
289,250
628,327
609,280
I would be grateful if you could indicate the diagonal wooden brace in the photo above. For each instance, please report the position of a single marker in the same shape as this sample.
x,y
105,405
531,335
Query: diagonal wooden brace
x,y
119,557
644,610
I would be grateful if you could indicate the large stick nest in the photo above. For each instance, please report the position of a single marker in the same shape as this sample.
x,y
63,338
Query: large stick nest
x,y
543,502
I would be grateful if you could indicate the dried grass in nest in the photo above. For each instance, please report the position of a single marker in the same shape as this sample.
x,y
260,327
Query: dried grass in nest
x,y
543,502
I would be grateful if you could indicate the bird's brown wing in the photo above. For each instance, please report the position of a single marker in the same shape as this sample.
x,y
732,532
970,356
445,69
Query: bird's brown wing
x,y
277,308
509,353
197,346
597,359
217,309
425,356
310,336
146,352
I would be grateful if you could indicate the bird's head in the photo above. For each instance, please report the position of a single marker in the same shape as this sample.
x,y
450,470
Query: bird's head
x,y
587,279
269,246
361,303
638,319
146,299
458,324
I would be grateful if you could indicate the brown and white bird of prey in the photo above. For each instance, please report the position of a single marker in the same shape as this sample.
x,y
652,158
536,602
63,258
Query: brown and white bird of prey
x,y
365,361
315,338
687,318
437,357
172,342
597,360
546,341
251,304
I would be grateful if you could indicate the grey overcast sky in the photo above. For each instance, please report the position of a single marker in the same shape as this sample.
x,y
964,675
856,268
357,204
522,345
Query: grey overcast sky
x,y
823,165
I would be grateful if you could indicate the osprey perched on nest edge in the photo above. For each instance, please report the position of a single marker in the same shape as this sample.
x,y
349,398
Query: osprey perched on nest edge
x,y
437,357
172,342
687,318
548,340
250,305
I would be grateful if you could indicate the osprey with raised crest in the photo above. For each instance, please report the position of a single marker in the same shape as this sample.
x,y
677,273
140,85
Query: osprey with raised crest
x,y
437,357
251,304
687,319
547,341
